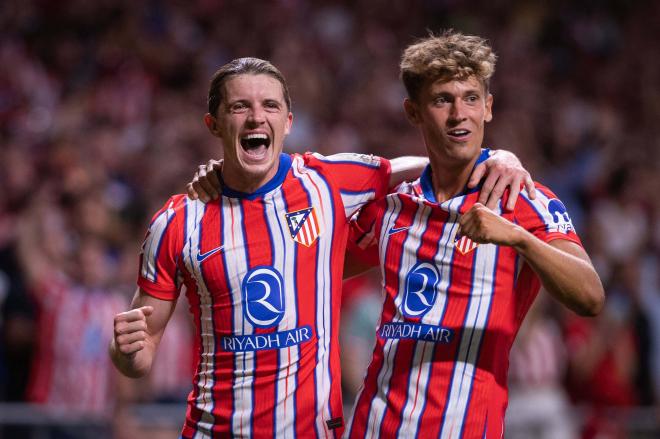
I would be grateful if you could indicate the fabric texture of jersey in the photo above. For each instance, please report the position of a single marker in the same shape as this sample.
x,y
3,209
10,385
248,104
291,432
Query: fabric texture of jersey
x,y
262,274
451,311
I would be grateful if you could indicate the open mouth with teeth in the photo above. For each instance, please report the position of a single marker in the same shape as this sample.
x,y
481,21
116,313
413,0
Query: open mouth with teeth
x,y
255,144
459,133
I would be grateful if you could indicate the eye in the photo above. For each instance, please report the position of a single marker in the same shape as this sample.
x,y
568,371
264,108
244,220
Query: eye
x,y
472,99
440,100
272,105
238,107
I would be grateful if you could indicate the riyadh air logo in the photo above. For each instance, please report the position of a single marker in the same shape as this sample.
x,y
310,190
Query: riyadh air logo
x,y
263,297
304,226
561,222
419,296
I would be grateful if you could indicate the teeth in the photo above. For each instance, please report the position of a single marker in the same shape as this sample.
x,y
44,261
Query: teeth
x,y
458,132
256,136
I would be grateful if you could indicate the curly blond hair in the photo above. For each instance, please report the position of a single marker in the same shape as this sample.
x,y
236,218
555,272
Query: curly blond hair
x,y
449,56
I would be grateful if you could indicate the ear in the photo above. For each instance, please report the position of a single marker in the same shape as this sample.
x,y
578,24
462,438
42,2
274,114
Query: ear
x,y
489,108
212,124
412,113
289,124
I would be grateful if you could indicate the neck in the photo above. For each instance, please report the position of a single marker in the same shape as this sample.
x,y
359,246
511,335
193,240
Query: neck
x,y
245,182
450,178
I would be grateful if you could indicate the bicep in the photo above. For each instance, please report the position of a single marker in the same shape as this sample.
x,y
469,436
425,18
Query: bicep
x,y
571,248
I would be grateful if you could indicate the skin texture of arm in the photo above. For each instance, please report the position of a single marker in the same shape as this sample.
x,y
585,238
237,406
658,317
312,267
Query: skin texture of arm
x,y
137,334
564,267
406,168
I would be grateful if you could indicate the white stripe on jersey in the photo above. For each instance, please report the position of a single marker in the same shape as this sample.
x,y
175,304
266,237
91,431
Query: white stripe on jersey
x,y
540,205
355,200
413,242
204,402
376,405
152,243
235,259
321,197
359,159
424,351
473,330
284,262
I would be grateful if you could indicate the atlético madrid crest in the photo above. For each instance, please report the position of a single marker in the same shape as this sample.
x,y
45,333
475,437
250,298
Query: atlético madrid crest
x,y
304,226
464,244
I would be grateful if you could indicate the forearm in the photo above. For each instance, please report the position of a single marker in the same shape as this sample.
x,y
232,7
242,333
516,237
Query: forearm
x,y
406,168
564,272
134,365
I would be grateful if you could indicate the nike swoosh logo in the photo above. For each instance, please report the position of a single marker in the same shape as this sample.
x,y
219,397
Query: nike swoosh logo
x,y
394,230
202,256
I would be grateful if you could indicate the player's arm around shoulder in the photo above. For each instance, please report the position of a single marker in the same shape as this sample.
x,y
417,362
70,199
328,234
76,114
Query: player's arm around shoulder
x,y
563,266
137,333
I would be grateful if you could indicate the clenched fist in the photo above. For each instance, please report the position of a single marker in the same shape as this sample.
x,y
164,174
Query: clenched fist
x,y
131,330
484,226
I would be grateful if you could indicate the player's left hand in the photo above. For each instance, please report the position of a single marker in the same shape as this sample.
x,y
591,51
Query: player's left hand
x,y
502,170
484,226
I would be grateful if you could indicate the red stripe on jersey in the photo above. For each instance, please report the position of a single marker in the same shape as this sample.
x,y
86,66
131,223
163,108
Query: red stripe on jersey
x,y
266,361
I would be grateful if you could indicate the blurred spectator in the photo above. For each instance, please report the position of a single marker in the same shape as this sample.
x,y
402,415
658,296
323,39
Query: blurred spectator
x,y
538,404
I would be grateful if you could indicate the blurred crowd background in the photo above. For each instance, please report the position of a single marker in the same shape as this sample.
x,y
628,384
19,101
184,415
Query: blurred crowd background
x,y
101,106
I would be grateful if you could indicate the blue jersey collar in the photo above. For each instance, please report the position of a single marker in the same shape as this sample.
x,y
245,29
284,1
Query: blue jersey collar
x,y
278,179
426,179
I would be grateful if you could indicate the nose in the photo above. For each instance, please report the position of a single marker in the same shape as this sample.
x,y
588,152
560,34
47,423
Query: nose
x,y
257,115
457,111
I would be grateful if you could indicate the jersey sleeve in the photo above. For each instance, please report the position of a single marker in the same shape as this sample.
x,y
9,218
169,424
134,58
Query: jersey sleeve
x,y
546,217
360,178
365,233
162,246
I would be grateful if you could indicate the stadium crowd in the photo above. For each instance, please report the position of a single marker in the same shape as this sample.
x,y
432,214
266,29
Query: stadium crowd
x,y
101,107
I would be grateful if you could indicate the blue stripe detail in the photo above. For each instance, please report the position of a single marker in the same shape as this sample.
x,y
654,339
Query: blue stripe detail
x,y
160,243
426,179
271,239
415,343
458,348
481,340
380,423
346,192
295,283
247,262
223,239
328,276
198,221
282,169
355,193
348,162
540,215
201,273
390,212
444,311
483,436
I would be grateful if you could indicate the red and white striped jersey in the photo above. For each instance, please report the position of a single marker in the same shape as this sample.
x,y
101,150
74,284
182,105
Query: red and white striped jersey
x,y
263,274
450,314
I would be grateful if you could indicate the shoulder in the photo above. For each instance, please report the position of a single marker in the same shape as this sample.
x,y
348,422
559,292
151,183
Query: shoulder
x,y
546,209
345,158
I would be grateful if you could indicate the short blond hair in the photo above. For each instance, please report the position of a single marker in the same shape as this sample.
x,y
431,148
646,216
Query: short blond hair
x,y
449,56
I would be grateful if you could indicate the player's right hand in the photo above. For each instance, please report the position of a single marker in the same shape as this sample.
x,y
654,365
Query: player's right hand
x,y
205,184
131,330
